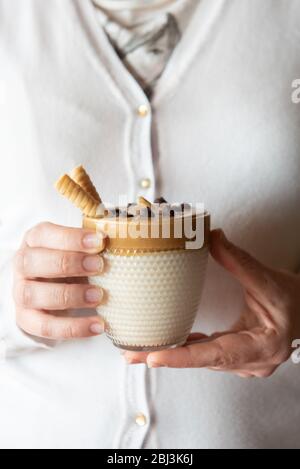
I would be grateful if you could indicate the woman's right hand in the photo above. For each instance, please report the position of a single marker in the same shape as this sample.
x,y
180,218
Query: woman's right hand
x,y
49,269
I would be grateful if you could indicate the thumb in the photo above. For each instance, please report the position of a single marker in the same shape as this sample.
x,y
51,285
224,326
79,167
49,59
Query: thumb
x,y
247,270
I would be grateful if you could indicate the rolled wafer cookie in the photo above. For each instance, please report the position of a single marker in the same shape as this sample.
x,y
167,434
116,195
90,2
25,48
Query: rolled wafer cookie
x,y
81,177
144,202
77,195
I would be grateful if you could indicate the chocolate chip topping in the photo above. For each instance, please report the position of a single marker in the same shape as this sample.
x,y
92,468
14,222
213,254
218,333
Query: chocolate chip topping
x,y
142,210
160,201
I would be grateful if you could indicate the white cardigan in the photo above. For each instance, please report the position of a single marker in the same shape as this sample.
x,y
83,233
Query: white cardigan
x,y
223,130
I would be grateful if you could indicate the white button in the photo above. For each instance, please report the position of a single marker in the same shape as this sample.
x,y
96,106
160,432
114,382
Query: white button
x,y
141,420
145,183
143,110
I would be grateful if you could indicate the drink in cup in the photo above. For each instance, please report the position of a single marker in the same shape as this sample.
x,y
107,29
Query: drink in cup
x,y
155,264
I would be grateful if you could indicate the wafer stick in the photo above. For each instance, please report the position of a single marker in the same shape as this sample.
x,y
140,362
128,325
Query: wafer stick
x,y
77,195
144,202
81,177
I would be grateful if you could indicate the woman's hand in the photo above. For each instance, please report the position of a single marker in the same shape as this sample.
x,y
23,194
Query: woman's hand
x,y
51,270
261,340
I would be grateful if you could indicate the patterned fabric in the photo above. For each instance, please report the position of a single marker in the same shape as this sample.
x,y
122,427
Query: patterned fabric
x,y
145,41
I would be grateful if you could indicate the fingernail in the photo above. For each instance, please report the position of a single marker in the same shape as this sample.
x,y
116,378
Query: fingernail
x,y
93,241
94,295
97,328
93,264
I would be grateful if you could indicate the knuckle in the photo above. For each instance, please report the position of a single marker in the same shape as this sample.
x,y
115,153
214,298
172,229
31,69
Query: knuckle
x,y
232,359
225,359
70,332
62,296
220,362
46,330
65,264
22,293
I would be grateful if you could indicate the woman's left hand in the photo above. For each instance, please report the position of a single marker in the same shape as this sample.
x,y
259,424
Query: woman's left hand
x,y
262,339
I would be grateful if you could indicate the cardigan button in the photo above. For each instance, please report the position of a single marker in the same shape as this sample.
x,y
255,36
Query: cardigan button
x,y
145,183
143,110
141,420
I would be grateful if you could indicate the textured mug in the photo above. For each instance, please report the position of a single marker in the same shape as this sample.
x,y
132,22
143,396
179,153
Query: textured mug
x,y
152,286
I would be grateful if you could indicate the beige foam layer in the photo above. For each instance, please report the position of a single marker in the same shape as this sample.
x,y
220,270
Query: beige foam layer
x,y
73,192
121,242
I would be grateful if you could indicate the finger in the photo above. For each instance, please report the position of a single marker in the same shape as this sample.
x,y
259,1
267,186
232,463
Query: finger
x,y
246,322
228,352
52,296
247,270
49,236
239,373
196,336
260,311
266,372
43,325
47,263
135,358
242,373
